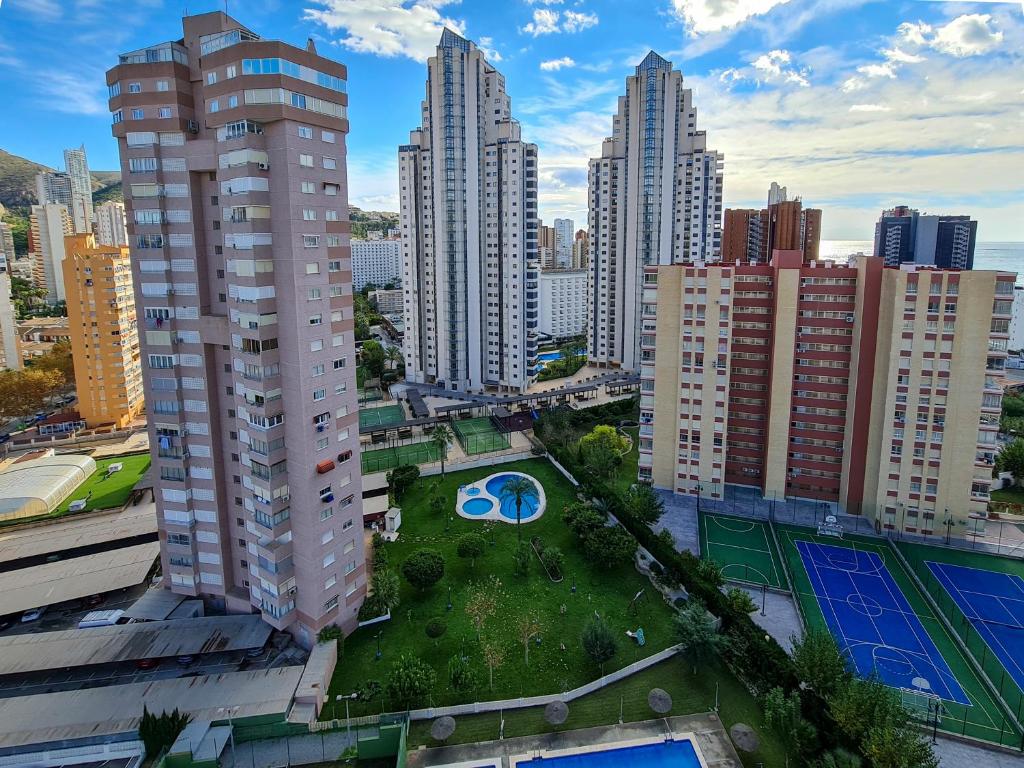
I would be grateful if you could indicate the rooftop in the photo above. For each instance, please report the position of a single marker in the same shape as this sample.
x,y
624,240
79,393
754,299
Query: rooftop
x,y
93,712
130,642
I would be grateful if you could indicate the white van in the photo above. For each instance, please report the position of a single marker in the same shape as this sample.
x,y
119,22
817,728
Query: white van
x,y
102,619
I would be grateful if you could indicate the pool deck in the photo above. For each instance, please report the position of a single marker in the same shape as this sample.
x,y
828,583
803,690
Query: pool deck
x,y
709,736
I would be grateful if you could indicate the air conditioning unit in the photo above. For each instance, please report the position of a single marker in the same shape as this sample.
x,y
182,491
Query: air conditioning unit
x,y
849,318
193,126
263,166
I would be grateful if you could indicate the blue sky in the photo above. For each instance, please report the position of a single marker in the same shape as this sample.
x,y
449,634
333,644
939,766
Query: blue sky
x,y
852,104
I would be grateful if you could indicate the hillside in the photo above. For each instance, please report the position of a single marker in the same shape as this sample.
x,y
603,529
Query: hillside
x,y
18,192
367,221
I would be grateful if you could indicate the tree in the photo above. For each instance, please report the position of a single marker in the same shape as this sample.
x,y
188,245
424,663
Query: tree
x,y
711,572
521,559
401,478
599,641
782,714
740,600
902,747
553,560
481,605
159,731
644,503
610,545
820,663
442,437
59,359
384,584
521,489
410,681
838,758
25,392
556,425
470,547
696,632
527,626
861,704
423,568
373,358
601,449
494,657
1011,459
393,356
435,628
582,518
460,673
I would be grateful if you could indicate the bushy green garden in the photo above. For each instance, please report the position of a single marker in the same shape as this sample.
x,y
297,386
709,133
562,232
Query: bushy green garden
x,y
488,589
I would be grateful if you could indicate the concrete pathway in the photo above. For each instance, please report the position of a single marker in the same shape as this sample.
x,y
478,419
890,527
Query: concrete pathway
x,y
680,519
957,754
780,619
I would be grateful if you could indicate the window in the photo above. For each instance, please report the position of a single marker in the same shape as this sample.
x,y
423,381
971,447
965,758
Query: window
x,y
232,102
329,560
331,215
165,112
316,345
339,363
137,114
162,85
331,604
312,268
327,513
305,132
330,163
211,78
311,241
331,581
306,161
327,136
118,116
214,105
232,71
134,87
308,187
308,214
319,394
316,319
313,294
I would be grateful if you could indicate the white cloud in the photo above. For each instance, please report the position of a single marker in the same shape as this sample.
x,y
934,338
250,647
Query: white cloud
x,y
75,93
548,22
389,28
882,69
544,2
902,57
967,35
553,65
869,108
43,10
486,46
776,65
703,16
545,22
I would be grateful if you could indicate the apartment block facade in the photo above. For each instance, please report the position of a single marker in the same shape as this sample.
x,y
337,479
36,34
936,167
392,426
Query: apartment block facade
x,y
868,388
468,193
752,235
10,341
563,302
655,197
376,262
111,225
905,236
49,224
76,165
233,155
104,332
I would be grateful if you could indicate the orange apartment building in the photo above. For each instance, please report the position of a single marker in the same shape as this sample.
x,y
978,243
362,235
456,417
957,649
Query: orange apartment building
x,y
104,336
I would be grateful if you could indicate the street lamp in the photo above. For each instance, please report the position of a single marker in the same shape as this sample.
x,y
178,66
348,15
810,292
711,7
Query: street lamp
x,y
449,606
231,730
699,489
949,525
348,720
764,592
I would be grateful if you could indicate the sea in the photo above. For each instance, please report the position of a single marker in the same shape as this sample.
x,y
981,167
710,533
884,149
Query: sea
x,y
1006,257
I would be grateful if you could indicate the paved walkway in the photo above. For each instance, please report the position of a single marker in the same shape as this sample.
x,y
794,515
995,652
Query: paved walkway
x,y
680,519
956,754
781,619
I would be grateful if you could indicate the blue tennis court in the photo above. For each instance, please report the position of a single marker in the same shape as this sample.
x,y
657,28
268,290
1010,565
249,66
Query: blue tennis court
x,y
870,618
994,604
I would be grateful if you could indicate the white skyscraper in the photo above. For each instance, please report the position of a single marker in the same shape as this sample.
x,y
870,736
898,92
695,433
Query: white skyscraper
x,y
49,224
77,169
655,197
468,187
111,228
565,231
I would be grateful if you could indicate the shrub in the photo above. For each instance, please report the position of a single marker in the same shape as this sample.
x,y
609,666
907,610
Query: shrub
x,y
460,673
521,559
424,568
371,608
159,731
553,560
401,478
740,600
599,641
330,633
611,545
436,627
410,681
471,546
582,518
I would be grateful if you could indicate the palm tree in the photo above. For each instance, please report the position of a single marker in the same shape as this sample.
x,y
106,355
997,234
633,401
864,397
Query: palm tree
x,y
442,438
519,488
393,356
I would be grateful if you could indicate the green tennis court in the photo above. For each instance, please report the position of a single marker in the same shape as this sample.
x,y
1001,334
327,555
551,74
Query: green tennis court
x,y
479,435
983,718
742,547
381,417
384,459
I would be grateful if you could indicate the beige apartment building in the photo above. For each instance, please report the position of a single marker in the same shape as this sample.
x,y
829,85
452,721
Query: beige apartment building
x,y
104,334
233,159
865,388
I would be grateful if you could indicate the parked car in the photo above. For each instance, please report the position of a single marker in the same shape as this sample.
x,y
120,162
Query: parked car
x,y
147,664
254,653
186,660
102,619
32,615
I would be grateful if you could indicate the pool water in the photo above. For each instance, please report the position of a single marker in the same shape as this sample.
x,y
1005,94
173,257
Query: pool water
x,y
546,356
668,754
478,506
508,502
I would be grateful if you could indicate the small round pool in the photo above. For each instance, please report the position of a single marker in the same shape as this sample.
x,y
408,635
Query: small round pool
x,y
477,507
487,499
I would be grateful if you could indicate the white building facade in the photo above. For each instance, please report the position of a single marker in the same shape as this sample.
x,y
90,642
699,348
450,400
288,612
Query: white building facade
x,y
565,231
655,197
468,191
376,262
49,224
111,227
563,302
1017,320
77,167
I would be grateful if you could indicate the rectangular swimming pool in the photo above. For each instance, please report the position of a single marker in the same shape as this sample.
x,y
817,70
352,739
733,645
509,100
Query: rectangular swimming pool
x,y
661,754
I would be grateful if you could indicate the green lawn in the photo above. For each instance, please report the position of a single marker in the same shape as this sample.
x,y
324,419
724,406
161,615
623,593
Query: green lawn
x,y
112,492
1009,495
383,416
984,719
626,475
384,459
690,694
742,547
551,668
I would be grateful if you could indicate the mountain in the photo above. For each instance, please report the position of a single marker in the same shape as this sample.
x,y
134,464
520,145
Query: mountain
x,y
18,180
366,221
